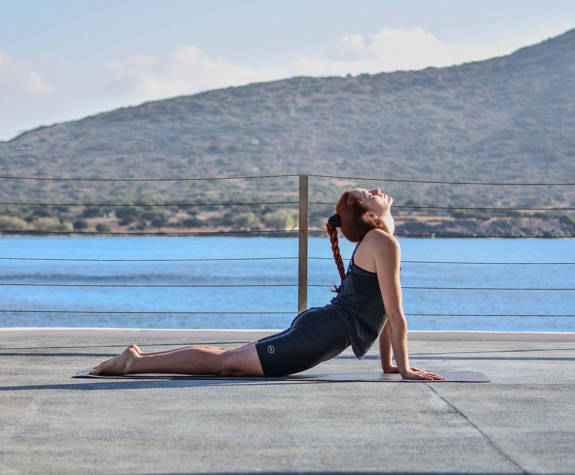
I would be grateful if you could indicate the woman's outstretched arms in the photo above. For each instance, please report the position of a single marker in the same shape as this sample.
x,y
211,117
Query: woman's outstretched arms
x,y
394,334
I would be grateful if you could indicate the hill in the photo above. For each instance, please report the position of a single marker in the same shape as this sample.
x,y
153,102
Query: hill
x,y
506,119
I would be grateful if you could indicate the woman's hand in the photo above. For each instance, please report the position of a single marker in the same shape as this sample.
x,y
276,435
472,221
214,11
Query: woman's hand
x,y
416,373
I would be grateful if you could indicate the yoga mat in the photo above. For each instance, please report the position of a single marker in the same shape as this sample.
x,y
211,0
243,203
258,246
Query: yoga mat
x,y
371,376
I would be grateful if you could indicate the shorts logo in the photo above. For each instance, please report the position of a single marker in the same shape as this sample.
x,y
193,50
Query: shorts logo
x,y
271,349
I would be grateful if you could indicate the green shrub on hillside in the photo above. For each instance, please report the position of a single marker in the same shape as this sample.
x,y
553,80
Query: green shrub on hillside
x,y
11,223
569,220
281,219
103,228
95,212
80,224
246,221
51,224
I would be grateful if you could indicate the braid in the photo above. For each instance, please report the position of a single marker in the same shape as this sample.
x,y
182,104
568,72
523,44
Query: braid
x,y
332,231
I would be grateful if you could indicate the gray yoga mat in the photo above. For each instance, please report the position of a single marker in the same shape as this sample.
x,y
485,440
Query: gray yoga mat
x,y
371,376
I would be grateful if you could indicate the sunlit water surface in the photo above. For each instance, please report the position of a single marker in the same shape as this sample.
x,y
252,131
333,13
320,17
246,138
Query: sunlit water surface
x,y
437,303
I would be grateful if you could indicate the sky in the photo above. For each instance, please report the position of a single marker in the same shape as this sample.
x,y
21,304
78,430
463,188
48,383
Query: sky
x,y
63,60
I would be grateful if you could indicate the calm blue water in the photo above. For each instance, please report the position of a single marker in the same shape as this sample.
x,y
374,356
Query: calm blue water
x,y
478,303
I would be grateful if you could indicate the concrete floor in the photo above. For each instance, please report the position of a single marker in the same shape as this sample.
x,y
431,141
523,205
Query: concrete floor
x,y
523,421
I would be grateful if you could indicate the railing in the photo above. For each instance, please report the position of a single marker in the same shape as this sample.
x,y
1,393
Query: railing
x,y
303,235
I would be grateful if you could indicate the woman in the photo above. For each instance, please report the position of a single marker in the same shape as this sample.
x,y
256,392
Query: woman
x,y
367,304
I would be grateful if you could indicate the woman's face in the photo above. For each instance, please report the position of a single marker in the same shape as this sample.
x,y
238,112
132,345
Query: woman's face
x,y
377,203
374,200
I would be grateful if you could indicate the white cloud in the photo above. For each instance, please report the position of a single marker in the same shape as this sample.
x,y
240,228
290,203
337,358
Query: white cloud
x,y
391,50
16,76
186,70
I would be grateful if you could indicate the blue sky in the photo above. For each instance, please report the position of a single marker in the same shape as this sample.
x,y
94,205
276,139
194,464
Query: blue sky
x,y
66,59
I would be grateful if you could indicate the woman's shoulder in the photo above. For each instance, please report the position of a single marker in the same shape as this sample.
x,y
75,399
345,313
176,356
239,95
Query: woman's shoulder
x,y
378,238
376,245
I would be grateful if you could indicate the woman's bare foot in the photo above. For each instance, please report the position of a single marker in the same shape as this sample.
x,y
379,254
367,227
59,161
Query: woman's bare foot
x,y
137,349
118,365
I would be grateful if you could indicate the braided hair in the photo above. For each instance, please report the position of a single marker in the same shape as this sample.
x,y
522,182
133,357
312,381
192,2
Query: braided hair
x,y
355,222
332,224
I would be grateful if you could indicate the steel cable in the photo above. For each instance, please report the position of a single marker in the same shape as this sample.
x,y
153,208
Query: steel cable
x,y
146,233
157,205
129,312
37,284
441,182
409,261
396,180
216,233
263,203
470,208
7,310
66,259
46,178
217,259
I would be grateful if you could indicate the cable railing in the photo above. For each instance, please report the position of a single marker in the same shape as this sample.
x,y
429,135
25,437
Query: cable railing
x,y
271,203
311,232
131,312
444,182
466,208
154,205
140,180
216,259
325,285
201,259
303,230
148,233
285,175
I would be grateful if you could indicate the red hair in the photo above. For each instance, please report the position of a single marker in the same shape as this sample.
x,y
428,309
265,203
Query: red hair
x,y
356,222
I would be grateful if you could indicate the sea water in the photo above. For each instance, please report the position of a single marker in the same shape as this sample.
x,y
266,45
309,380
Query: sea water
x,y
448,284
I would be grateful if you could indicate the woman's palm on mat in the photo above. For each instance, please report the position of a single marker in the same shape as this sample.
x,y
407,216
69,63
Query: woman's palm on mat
x,y
415,373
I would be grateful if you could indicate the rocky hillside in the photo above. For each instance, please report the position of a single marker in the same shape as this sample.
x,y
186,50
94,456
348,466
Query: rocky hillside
x,y
506,119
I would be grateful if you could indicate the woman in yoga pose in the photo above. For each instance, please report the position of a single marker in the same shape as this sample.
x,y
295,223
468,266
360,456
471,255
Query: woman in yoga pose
x,y
367,305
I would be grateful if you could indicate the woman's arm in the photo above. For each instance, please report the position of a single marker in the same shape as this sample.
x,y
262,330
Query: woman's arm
x,y
387,263
385,352
387,259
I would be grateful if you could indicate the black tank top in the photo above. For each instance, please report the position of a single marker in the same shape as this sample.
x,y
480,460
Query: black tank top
x,y
359,306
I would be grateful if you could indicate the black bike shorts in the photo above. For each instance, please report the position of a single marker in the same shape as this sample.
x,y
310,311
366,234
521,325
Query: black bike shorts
x,y
315,335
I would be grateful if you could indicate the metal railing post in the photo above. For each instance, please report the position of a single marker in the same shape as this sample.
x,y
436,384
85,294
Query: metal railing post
x,y
302,238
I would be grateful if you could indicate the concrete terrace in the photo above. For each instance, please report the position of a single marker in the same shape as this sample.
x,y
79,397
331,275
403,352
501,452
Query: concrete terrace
x,y
523,421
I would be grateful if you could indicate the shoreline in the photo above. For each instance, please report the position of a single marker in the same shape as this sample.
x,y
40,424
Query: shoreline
x,y
258,234
406,226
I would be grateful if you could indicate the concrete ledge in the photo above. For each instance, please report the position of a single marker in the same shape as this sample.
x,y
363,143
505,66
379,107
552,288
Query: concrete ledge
x,y
50,332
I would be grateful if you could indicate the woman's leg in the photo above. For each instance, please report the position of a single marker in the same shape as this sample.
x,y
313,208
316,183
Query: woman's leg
x,y
209,348
242,361
163,352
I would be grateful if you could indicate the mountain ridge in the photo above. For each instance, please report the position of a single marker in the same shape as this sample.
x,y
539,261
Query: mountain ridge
x,y
530,48
511,117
